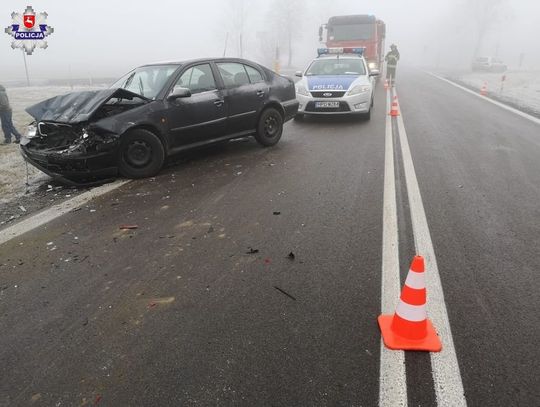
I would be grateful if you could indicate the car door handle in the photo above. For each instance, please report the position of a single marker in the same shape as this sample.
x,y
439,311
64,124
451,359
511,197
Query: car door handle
x,y
260,93
219,103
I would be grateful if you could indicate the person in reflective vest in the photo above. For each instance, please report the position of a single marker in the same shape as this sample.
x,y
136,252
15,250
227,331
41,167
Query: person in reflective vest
x,y
391,59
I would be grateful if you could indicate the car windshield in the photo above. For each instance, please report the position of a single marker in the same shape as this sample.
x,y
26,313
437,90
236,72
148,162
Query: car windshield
x,y
146,80
348,32
337,67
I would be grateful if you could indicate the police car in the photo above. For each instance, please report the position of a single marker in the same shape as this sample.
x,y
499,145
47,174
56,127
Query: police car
x,y
338,81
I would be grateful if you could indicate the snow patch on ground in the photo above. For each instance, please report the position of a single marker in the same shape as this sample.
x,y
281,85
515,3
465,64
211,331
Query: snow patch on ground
x,y
12,166
521,88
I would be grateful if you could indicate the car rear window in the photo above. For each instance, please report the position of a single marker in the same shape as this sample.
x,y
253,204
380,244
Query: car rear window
x,y
254,75
233,74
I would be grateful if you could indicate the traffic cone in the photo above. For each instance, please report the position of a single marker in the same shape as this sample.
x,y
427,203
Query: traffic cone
x,y
409,328
394,110
386,85
484,90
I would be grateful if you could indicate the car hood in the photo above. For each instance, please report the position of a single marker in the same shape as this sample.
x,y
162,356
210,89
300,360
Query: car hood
x,y
337,82
76,107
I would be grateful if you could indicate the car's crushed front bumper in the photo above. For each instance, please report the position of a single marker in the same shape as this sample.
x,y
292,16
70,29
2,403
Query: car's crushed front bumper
x,y
356,104
73,170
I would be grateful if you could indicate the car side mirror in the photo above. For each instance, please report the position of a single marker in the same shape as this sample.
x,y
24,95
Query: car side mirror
x,y
178,93
298,73
374,72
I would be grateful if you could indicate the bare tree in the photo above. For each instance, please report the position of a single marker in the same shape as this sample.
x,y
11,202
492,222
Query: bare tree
x,y
486,13
233,27
285,20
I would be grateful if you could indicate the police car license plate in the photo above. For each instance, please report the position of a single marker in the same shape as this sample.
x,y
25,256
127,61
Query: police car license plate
x,y
326,104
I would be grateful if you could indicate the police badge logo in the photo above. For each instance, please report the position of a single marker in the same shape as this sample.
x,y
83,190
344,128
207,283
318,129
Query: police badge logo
x,y
29,30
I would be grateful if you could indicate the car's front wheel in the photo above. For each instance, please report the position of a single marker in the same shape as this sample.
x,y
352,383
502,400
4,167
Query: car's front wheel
x,y
141,154
269,128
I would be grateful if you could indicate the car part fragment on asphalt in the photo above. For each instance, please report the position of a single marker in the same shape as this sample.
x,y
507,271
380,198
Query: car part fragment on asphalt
x,y
409,328
284,293
252,251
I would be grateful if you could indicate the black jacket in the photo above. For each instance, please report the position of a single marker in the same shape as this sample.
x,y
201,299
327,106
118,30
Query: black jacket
x,y
392,58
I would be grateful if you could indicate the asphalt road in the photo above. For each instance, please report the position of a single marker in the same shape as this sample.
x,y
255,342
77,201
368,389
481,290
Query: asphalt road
x,y
180,311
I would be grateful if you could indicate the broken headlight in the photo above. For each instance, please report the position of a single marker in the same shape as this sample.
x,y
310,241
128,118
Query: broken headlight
x,y
31,131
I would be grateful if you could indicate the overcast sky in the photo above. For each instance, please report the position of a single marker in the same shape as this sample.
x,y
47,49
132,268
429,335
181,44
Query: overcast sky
x,y
107,38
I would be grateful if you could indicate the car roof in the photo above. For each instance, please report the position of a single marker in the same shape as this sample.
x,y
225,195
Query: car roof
x,y
201,60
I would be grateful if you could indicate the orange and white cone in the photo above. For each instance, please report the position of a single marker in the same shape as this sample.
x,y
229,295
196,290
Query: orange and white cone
x,y
394,111
409,328
484,90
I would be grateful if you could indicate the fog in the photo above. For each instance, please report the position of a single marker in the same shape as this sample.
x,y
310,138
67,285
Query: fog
x,y
107,38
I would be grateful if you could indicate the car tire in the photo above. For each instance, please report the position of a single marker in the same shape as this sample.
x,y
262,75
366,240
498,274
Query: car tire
x,y
141,154
269,127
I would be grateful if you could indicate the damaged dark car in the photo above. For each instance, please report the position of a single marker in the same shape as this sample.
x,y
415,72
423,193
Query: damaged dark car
x,y
153,112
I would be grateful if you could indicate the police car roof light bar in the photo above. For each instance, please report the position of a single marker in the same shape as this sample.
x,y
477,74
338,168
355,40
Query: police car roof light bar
x,y
348,50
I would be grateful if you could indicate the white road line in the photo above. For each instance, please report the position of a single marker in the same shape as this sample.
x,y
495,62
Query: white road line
x,y
392,379
487,99
444,364
56,211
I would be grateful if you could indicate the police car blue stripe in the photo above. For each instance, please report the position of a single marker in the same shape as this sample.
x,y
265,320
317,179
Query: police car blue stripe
x,y
326,82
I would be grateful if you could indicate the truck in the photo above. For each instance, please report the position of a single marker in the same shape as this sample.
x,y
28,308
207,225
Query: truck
x,y
360,30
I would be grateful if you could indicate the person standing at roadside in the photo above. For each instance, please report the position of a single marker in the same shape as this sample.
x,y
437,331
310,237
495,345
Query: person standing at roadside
x,y
391,59
6,118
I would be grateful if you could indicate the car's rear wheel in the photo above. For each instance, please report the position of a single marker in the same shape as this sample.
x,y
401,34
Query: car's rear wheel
x,y
141,154
269,128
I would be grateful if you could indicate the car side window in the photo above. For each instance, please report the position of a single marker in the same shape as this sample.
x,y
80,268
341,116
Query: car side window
x,y
254,75
233,74
198,79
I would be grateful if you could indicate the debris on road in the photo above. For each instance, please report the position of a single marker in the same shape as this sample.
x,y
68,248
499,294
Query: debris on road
x,y
252,251
128,227
277,213
285,293
291,256
160,301
267,261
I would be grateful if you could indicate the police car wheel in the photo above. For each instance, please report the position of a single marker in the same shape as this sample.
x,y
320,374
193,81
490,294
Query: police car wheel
x,y
269,128
141,154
